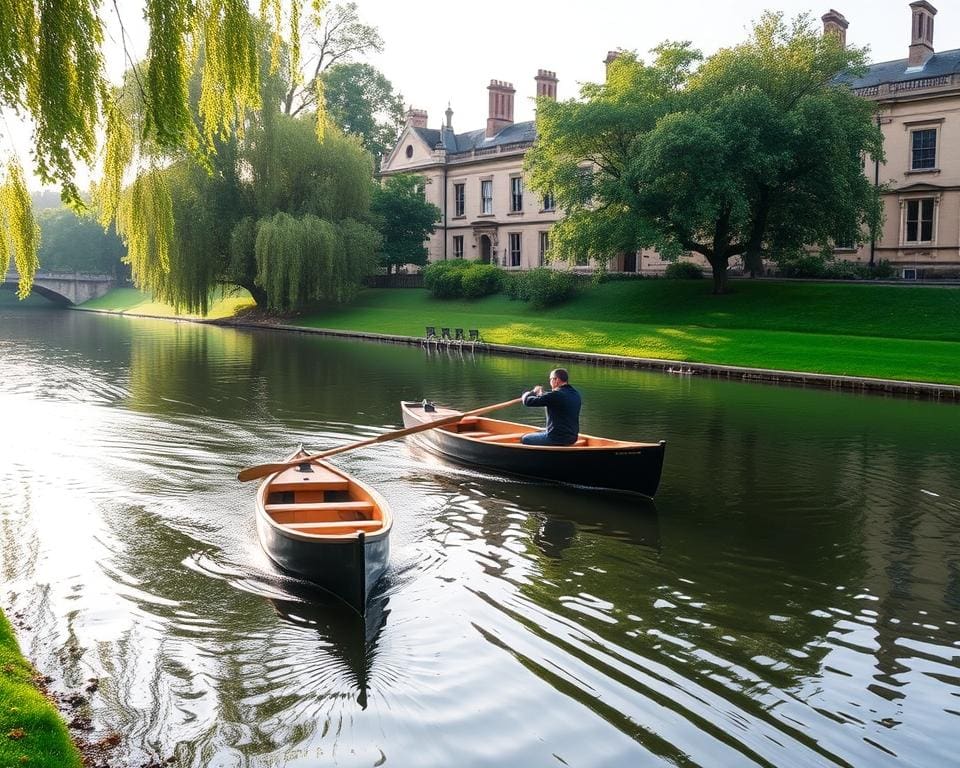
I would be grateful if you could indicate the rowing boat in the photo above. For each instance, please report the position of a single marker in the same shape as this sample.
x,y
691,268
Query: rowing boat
x,y
593,462
320,523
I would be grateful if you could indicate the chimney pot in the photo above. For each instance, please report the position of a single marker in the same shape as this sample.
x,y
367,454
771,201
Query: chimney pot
x,y
416,118
834,23
500,100
921,33
546,84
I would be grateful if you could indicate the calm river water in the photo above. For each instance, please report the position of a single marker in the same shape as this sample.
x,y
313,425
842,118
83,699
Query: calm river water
x,y
792,597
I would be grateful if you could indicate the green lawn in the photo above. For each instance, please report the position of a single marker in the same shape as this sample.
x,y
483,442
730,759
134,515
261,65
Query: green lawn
x,y
136,302
907,333
31,730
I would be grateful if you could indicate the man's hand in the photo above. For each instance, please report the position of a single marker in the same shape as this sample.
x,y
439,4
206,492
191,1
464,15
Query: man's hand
x,y
538,390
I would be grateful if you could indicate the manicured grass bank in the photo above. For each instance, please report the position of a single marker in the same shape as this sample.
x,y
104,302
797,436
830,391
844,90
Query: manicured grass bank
x,y
32,732
133,301
907,333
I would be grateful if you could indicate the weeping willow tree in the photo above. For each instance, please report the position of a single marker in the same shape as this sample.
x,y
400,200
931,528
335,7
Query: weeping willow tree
x,y
304,260
276,167
52,70
19,233
309,236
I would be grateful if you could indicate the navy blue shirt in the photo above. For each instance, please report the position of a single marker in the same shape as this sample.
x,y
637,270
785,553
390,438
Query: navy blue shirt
x,y
563,412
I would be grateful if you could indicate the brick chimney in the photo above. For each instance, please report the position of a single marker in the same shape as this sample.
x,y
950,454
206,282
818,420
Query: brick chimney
x,y
546,84
921,33
416,118
612,56
501,106
835,24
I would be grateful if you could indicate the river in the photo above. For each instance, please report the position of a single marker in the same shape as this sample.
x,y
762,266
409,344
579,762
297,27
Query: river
x,y
789,599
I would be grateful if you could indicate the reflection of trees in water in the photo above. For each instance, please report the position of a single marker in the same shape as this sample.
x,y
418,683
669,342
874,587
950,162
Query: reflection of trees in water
x,y
222,665
188,368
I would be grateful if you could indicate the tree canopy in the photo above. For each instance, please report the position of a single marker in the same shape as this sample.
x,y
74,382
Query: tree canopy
x,y
335,39
757,150
75,242
362,103
405,220
52,70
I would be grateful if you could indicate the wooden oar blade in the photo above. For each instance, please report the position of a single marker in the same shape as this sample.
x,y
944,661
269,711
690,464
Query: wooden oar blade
x,y
262,470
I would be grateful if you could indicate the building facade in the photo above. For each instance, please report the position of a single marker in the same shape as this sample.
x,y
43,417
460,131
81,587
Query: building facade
x,y
919,113
476,178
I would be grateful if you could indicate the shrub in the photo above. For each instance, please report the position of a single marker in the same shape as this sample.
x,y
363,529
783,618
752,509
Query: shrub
x,y
845,270
802,265
683,270
544,287
480,280
883,270
511,283
444,278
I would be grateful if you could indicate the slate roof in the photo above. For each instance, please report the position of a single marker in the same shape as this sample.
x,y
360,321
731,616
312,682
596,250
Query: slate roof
x,y
940,64
464,142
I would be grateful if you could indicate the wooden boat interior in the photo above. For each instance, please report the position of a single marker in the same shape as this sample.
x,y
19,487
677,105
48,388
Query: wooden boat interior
x,y
508,432
320,502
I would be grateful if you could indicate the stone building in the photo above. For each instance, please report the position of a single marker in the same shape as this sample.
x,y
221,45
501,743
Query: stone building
x,y
476,178
919,102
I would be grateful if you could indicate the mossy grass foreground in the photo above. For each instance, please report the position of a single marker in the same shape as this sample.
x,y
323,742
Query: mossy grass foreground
x,y
32,732
907,333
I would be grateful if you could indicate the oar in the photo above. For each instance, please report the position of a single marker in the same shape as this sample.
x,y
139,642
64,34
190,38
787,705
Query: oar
x,y
262,470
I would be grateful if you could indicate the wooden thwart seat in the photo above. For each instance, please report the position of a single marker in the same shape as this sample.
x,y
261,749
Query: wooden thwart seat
x,y
503,437
349,525
330,506
513,437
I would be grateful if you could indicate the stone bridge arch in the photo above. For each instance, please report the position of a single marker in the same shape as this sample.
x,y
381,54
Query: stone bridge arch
x,y
65,288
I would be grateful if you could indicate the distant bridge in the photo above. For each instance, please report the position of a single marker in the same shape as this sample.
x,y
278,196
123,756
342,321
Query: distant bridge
x,y
64,287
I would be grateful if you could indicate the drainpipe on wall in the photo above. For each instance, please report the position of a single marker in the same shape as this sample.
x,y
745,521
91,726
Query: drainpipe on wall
x,y
876,185
445,214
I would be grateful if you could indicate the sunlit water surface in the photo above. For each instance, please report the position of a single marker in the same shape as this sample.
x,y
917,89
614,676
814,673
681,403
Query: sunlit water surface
x,y
790,599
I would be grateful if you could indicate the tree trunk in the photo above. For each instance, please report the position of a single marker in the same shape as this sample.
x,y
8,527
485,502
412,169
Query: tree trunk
x,y
753,256
719,267
719,256
259,295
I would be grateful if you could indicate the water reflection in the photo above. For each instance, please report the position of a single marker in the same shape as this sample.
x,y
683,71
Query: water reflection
x,y
790,599
337,630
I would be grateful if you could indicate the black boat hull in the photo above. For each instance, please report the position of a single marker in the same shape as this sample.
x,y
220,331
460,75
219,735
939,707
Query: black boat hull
x,y
324,539
349,569
631,468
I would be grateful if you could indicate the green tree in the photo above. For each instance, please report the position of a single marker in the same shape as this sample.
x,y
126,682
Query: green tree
x,y
757,151
333,39
52,70
71,241
362,103
405,220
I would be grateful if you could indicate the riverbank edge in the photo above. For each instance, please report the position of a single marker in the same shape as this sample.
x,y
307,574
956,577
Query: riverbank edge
x,y
27,694
915,389
860,384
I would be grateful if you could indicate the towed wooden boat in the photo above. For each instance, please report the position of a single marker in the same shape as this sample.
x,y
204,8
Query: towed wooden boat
x,y
320,523
595,462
